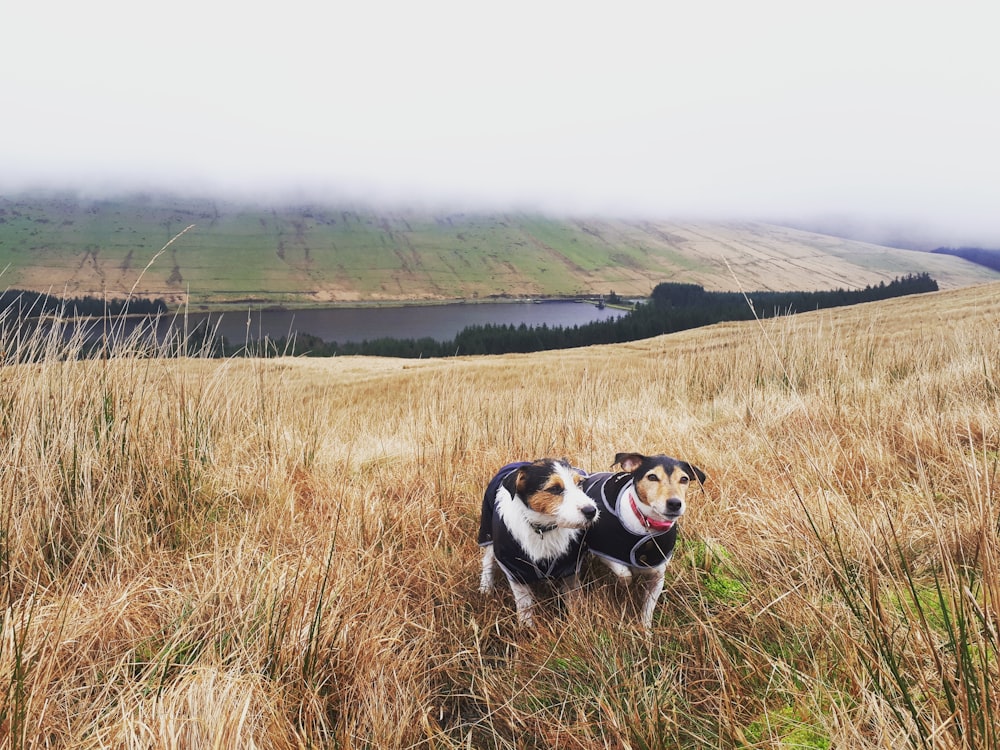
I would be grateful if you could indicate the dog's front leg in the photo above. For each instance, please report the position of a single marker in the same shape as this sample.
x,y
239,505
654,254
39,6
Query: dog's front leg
x,y
524,601
653,585
486,577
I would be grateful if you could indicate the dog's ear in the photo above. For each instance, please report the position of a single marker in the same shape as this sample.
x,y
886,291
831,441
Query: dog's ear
x,y
693,470
629,461
514,482
520,483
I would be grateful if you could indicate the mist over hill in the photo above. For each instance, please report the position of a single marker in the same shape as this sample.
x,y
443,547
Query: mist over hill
x,y
284,253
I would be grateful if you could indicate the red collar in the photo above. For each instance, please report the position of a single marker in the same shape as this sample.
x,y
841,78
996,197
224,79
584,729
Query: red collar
x,y
649,523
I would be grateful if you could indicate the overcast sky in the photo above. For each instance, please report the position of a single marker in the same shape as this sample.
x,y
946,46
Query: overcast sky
x,y
878,111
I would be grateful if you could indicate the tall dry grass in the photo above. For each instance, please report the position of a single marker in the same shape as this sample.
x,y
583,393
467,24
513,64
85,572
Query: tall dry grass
x,y
281,553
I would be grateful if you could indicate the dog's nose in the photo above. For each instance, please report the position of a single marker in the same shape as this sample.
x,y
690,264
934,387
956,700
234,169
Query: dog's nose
x,y
674,505
589,512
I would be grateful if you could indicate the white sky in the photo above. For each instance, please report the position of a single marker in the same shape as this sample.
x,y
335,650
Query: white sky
x,y
878,110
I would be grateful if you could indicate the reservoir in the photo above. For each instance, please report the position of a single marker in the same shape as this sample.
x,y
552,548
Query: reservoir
x,y
356,324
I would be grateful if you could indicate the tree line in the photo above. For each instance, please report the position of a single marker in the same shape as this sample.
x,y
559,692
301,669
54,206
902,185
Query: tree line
x,y
672,307
26,305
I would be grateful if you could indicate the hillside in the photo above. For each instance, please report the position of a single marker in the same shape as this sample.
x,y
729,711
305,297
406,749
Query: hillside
x,y
282,553
312,254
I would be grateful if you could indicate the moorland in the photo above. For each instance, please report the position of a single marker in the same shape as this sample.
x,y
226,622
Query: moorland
x,y
281,552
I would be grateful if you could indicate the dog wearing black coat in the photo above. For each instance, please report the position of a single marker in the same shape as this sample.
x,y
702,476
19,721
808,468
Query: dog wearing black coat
x,y
636,527
533,518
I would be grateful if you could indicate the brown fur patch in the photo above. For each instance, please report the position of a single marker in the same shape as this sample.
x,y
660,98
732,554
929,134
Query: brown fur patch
x,y
545,502
547,499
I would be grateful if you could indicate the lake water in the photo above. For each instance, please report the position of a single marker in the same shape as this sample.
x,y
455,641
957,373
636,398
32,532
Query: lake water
x,y
439,322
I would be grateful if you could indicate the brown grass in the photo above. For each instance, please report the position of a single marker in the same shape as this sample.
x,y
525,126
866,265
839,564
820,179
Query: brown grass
x,y
281,553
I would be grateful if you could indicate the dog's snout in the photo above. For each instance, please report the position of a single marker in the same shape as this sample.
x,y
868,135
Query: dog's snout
x,y
674,505
589,512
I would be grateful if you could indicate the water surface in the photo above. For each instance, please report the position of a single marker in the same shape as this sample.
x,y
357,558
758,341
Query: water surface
x,y
356,324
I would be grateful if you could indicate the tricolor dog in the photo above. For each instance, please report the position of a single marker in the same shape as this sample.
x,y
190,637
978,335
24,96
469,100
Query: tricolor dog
x,y
637,524
534,516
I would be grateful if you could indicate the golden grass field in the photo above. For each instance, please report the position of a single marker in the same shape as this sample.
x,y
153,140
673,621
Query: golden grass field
x,y
281,553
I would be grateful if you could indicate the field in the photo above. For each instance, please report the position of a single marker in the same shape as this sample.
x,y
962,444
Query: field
x,y
281,553
320,254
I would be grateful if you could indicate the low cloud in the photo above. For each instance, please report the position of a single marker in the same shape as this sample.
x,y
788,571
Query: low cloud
x,y
879,116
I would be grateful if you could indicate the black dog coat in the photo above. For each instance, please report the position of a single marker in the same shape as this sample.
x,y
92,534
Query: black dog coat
x,y
508,552
609,539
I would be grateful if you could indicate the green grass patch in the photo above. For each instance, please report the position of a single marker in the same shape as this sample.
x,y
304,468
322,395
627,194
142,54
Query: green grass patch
x,y
786,728
721,580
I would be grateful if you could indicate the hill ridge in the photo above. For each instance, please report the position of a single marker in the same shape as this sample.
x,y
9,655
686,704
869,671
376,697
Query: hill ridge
x,y
312,253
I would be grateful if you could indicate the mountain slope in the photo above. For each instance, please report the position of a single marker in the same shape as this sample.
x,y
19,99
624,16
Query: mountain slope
x,y
314,254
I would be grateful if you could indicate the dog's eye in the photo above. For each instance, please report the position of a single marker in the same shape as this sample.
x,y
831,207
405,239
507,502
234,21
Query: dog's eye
x,y
556,489
652,477
684,480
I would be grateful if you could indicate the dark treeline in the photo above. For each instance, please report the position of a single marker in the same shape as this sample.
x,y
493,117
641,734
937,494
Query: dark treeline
x,y
26,304
979,255
672,307
27,320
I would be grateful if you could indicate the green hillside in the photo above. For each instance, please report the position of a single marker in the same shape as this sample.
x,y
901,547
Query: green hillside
x,y
313,253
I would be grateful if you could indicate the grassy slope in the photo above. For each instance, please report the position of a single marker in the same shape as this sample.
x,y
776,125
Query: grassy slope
x,y
317,254
167,577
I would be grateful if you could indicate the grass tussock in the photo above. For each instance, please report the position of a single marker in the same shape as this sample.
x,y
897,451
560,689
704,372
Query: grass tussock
x,y
281,553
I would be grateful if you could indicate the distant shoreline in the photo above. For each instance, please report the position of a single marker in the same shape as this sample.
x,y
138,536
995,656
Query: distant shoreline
x,y
256,306
271,306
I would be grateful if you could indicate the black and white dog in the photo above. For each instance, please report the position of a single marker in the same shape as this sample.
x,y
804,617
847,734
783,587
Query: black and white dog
x,y
532,525
637,524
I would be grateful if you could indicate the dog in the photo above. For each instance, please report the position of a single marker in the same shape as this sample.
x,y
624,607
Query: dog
x,y
636,527
532,525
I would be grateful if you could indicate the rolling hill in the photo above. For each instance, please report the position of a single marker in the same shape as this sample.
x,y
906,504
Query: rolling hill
x,y
321,254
